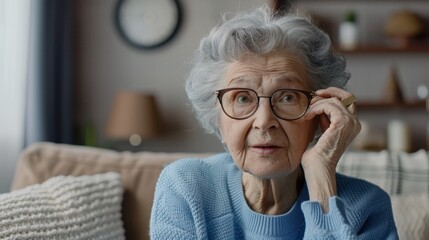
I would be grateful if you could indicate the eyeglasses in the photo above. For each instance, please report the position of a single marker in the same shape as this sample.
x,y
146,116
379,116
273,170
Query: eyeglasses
x,y
287,104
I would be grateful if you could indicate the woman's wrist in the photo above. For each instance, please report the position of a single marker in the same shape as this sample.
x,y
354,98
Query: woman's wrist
x,y
321,183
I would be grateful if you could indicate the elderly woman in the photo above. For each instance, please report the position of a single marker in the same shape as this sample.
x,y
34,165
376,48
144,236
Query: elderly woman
x,y
272,89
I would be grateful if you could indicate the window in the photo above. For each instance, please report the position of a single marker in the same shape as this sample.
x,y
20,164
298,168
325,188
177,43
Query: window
x,y
14,42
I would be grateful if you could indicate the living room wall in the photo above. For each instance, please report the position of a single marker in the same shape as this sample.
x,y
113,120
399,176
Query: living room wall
x,y
105,64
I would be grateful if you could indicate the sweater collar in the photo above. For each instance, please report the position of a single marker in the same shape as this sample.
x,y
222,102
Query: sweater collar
x,y
288,224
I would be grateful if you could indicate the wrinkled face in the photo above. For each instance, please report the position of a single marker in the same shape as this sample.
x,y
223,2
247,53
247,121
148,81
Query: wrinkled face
x,y
263,144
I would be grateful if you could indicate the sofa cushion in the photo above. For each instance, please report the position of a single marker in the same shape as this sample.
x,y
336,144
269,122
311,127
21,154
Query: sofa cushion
x,y
139,173
64,207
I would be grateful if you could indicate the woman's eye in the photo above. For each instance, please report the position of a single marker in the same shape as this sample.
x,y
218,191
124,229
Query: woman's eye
x,y
243,99
288,98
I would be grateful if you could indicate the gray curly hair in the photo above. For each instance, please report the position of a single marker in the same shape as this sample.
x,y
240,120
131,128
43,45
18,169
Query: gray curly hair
x,y
259,32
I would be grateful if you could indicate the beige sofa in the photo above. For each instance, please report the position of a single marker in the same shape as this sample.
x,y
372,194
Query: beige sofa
x,y
139,173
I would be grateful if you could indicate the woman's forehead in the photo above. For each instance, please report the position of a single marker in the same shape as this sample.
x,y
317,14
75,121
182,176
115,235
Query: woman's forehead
x,y
277,67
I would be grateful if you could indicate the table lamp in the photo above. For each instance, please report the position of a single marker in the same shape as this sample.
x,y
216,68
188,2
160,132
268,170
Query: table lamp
x,y
134,116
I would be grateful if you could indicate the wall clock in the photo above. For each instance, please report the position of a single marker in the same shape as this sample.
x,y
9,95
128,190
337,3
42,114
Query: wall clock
x,y
147,24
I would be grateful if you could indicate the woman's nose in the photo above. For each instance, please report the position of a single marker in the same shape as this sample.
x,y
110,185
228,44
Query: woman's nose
x,y
264,116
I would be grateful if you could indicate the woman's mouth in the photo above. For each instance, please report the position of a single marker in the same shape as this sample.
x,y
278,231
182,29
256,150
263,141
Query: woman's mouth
x,y
264,149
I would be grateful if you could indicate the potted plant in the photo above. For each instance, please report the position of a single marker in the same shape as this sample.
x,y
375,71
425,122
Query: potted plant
x,y
348,31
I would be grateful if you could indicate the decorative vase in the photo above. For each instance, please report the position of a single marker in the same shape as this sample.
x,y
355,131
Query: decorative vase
x,y
392,91
348,35
398,136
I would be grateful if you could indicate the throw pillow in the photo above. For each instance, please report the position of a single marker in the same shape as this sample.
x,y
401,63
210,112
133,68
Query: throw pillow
x,y
411,213
64,207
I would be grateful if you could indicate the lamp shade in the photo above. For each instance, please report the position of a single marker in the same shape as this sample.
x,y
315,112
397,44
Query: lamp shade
x,y
133,113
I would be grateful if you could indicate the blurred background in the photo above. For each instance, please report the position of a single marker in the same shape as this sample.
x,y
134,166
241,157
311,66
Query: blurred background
x,y
70,72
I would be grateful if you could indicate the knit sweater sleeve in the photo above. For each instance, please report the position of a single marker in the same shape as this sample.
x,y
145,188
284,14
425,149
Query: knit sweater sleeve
x,y
378,223
171,216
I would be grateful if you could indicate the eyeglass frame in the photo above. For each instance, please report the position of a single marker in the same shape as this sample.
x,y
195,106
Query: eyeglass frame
x,y
309,94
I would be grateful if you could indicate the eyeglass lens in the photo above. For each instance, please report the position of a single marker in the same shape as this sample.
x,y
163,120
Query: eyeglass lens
x,y
286,104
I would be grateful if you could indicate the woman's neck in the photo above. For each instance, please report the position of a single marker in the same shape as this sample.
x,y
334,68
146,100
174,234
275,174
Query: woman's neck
x,y
272,196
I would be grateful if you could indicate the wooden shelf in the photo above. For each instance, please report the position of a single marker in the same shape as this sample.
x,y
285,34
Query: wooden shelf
x,y
415,48
415,105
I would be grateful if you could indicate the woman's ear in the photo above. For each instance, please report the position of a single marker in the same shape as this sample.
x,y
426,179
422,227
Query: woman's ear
x,y
222,141
219,134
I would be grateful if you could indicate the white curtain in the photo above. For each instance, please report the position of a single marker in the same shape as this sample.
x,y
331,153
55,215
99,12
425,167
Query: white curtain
x,y
14,44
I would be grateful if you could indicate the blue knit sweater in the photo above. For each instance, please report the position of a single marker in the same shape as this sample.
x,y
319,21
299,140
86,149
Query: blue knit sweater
x,y
203,199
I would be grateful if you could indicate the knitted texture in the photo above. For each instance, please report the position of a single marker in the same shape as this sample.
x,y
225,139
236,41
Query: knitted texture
x,y
203,199
64,207
411,214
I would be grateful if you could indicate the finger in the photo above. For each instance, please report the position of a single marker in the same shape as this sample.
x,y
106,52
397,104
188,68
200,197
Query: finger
x,y
346,98
330,107
333,92
334,116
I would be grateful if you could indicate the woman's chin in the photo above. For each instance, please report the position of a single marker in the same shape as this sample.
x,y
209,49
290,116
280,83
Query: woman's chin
x,y
264,167
268,174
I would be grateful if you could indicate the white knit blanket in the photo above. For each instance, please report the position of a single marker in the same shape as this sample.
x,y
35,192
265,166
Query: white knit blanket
x,y
64,207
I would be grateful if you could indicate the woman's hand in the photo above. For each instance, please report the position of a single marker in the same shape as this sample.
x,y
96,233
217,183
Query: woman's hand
x,y
340,125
